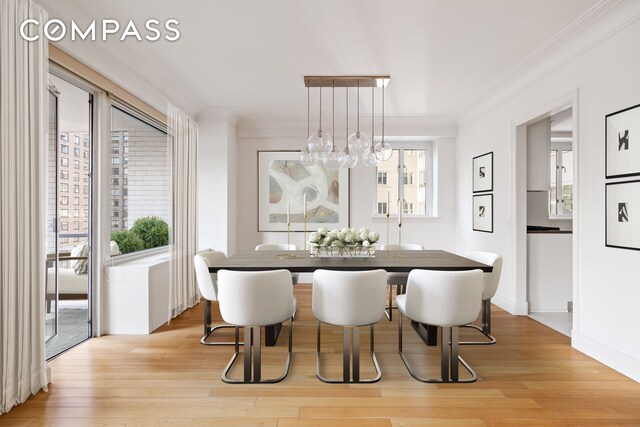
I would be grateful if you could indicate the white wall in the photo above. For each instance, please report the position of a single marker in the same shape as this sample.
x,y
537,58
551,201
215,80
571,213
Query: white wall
x,y
434,233
217,192
602,64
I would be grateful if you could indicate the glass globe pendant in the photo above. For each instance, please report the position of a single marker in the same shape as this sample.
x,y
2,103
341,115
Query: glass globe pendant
x,y
320,142
308,158
358,142
383,149
350,158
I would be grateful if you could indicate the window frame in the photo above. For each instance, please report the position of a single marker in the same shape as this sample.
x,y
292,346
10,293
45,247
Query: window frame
x,y
558,148
414,144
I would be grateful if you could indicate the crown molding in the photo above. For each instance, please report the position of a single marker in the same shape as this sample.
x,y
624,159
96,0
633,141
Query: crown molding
x,y
602,21
217,114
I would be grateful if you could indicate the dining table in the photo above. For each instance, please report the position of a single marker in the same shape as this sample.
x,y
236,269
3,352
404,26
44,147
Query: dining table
x,y
393,261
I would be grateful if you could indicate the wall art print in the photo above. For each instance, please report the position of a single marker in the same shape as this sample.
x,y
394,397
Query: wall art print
x,y
483,213
283,181
483,173
622,143
622,215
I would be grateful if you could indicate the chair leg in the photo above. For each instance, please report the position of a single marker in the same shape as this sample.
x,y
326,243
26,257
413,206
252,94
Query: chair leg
x,y
350,358
486,326
449,358
253,351
209,329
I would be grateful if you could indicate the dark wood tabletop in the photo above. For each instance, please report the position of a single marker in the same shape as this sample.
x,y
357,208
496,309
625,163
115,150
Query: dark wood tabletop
x,y
391,261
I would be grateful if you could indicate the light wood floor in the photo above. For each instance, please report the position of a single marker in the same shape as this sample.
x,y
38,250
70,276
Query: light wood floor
x,y
531,377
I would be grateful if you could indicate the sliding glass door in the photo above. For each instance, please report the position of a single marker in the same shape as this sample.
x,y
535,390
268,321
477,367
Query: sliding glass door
x,y
68,284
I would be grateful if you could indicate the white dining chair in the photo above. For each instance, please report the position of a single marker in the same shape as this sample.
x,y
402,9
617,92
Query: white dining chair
x,y
207,284
252,299
491,282
447,299
350,299
280,247
399,280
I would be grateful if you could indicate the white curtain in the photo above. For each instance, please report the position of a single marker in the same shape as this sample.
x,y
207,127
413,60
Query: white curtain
x,y
183,135
23,132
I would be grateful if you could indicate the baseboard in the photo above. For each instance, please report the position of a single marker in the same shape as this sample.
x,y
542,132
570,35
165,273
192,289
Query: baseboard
x,y
504,303
622,363
547,310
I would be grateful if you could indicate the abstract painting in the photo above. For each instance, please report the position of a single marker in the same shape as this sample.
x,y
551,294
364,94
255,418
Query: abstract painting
x,y
483,173
622,215
283,183
622,146
483,213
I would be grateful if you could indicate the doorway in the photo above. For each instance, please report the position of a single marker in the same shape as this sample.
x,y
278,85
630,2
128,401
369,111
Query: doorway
x,y
550,166
68,221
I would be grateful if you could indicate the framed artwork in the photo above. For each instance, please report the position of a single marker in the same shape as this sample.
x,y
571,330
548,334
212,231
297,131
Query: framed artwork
x,y
483,213
622,143
483,173
282,184
622,215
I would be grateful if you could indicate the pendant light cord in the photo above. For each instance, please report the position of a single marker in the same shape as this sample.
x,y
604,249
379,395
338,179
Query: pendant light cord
x,y
320,123
358,119
308,108
346,133
383,113
372,115
333,114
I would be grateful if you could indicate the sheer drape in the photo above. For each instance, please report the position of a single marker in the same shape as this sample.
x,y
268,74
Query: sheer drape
x,y
183,134
23,130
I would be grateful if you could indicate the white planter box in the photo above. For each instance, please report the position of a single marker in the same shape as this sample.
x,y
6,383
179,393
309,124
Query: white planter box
x,y
137,295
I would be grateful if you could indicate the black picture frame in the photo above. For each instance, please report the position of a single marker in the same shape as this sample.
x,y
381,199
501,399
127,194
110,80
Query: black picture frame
x,y
483,218
482,170
622,211
622,143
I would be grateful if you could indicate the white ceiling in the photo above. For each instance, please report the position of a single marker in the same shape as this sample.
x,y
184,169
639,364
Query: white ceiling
x,y
251,55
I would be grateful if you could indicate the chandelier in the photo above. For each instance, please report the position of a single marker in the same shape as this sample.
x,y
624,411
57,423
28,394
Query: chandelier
x,y
322,147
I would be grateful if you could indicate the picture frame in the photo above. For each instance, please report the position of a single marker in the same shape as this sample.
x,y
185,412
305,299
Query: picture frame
x,y
483,213
622,215
622,143
283,180
483,173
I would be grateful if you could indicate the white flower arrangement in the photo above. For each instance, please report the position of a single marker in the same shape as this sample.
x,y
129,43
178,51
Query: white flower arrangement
x,y
344,242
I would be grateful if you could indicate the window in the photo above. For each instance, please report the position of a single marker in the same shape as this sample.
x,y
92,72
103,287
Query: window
x,y
64,187
76,201
148,175
64,213
85,142
408,178
561,180
64,149
64,225
64,174
382,178
64,200
76,176
76,164
76,213
85,202
64,136
64,162
76,225
76,139
76,188
423,179
76,152
396,181
85,154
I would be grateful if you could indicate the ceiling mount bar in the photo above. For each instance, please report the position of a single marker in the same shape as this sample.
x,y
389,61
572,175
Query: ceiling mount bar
x,y
346,81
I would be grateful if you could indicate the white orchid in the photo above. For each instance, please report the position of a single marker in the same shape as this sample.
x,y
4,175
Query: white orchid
x,y
314,237
323,231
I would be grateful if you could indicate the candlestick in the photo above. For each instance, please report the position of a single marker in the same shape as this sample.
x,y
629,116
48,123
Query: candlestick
x,y
288,213
400,206
304,216
388,225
